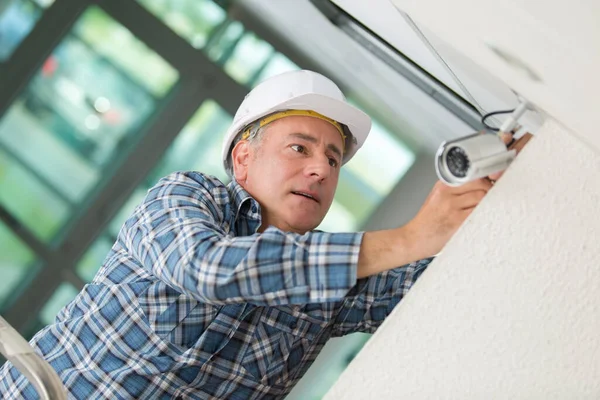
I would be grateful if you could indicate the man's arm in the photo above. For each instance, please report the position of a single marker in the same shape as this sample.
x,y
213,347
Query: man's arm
x,y
444,210
179,234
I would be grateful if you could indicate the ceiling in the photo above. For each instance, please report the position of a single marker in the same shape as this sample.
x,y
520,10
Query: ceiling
x,y
392,96
478,86
548,51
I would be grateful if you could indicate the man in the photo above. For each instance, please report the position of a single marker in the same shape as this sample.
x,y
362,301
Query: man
x,y
227,291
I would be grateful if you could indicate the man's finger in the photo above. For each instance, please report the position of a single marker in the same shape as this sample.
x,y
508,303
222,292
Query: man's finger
x,y
464,214
506,137
477,184
518,146
470,200
521,142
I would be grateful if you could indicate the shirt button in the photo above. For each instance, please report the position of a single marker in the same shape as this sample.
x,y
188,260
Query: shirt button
x,y
254,209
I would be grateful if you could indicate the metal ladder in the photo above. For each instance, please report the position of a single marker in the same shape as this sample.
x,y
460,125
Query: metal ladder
x,y
18,351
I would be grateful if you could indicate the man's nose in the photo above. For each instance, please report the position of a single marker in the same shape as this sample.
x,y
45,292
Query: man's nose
x,y
319,167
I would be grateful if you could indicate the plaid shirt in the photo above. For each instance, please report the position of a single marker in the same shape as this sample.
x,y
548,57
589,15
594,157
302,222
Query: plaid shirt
x,y
192,303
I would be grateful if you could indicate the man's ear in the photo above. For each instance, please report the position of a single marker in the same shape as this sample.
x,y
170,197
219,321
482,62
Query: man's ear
x,y
240,156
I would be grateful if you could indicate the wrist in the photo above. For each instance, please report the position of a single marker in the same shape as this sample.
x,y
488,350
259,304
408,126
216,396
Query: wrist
x,y
384,250
413,246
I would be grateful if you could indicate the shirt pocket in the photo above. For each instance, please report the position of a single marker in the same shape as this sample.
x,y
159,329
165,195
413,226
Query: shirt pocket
x,y
279,346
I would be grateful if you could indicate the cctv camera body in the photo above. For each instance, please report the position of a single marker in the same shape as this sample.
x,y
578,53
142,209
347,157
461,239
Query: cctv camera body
x,y
471,157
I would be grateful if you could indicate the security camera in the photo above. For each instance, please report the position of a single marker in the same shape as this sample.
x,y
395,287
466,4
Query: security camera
x,y
471,157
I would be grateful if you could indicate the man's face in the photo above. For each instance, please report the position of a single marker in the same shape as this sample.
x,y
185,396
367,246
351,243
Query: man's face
x,y
292,171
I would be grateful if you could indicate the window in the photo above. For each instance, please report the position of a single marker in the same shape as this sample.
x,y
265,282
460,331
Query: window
x,y
16,261
194,20
61,297
248,58
204,24
77,115
17,19
26,196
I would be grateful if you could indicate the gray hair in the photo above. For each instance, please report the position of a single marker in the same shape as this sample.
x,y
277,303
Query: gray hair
x,y
256,135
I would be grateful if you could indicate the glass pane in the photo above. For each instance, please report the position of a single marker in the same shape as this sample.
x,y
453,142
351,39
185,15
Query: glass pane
x,y
121,47
93,258
17,19
34,132
84,107
63,296
198,145
44,3
16,262
250,56
278,64
194,20
117,222
245,57
356,197
382,160
224,41
29,200
326,371
338,219
196,148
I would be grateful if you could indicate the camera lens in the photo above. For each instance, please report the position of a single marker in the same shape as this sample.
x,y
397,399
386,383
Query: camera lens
x,y
458,162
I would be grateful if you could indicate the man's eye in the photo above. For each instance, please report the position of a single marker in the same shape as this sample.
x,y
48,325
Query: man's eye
x,y
299,148
333,162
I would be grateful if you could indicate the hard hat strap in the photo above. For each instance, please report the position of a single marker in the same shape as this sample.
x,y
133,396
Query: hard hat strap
x,y
282,114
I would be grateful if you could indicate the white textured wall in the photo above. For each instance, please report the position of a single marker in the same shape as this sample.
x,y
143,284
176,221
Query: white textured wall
x,y
511,308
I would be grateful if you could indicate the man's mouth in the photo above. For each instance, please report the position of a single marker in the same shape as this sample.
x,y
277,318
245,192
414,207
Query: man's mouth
x,y
307,195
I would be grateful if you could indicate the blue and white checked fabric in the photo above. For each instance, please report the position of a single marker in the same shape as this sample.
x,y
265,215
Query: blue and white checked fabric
x,y
192,303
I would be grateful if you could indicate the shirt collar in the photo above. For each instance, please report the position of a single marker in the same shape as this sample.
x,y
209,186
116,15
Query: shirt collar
x,y
244,204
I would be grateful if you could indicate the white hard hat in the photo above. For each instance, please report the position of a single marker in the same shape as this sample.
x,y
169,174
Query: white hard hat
x,y
300,90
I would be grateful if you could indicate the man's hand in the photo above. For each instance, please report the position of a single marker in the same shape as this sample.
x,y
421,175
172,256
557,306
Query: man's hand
x,y
444,210
447,207
517,145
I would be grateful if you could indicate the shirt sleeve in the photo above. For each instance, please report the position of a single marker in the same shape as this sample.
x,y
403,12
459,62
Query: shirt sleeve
x,y
179,234
372,299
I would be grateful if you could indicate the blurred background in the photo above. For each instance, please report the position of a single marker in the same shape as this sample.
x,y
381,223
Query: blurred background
x,y
99,99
